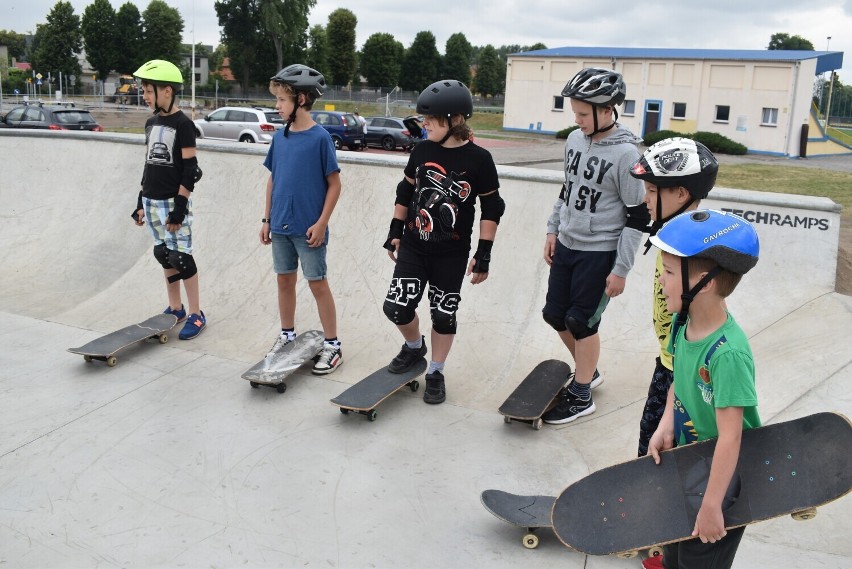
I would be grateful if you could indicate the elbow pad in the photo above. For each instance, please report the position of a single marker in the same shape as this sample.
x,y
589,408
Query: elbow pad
x,y
638,217
191,173
493,206
404,192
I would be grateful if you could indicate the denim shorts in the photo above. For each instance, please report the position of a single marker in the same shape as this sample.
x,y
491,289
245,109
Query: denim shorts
x,y
288,250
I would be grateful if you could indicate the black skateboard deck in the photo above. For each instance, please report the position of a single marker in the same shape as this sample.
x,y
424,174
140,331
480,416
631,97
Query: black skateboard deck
x,y
367,394
535,394
105,347
530,512
787,468
273,370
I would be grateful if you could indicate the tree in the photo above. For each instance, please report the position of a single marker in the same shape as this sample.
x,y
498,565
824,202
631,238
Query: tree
x,y
490,72
381,60
58,41
316,55
163,29
341,42
458,58
16,44
129,34
422,63
286,21
788,42
240,31
99,39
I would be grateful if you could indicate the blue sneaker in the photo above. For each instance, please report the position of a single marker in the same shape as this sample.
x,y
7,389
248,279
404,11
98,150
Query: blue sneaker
x,y
193,327
180,313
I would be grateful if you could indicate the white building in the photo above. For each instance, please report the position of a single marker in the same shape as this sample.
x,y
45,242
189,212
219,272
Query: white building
x,y
759,98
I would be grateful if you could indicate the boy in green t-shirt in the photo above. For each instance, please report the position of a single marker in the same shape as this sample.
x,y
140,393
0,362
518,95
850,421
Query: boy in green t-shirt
x,y
705,254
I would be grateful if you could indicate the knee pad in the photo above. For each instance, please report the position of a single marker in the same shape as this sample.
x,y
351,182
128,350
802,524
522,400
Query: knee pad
x,y
161,253
444,322
397,313
183,263
578,329
555,322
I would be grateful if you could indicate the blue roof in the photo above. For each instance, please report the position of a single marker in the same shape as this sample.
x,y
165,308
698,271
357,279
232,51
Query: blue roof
x,y
826,60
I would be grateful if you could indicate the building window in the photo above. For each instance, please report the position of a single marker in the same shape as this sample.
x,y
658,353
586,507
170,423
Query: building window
x,y
198,77
558,103
629,108
769,117
679,111
723,113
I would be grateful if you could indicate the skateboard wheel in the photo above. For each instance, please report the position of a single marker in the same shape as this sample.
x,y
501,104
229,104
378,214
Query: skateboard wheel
x,y
628,554
371,415
87,359
281,387
804,515
530,541
344,411
507,420
254,384
655,551
414,385
111,361
163,338
537,424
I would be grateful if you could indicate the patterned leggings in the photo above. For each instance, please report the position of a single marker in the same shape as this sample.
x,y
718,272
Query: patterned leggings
x,y
654,405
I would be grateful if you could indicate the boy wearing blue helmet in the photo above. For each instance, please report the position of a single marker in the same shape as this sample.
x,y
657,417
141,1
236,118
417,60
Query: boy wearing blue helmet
x,y
705,253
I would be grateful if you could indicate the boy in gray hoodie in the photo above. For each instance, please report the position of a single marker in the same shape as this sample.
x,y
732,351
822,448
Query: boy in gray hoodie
x,y
593,232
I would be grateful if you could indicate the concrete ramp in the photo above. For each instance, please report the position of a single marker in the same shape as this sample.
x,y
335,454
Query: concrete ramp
x,y
170,458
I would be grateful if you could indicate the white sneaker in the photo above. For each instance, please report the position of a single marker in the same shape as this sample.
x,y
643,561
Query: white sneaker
x,y
282,340
328,360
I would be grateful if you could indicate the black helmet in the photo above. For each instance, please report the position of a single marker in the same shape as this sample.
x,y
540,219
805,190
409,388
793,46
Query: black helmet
x,y
596,86
445,98
677,161
302,78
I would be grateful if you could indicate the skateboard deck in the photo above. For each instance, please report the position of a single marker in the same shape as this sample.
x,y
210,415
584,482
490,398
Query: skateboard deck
x,y
534,395
530,512
785,468
367,394
273,370
105,347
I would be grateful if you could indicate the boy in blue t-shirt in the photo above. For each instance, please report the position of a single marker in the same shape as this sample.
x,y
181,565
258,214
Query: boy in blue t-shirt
x,y
301,193
705,253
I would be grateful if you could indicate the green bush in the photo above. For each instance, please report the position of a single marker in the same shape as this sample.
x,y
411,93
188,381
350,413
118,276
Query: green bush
x,y
717,143
563,134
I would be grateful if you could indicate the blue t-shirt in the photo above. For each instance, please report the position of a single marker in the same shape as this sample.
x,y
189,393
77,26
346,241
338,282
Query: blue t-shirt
x,y
299,165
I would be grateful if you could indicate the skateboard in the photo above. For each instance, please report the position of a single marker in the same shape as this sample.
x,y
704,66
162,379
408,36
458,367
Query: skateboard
x,y
786,468
273,370
367,394
534,395
105,347
530,512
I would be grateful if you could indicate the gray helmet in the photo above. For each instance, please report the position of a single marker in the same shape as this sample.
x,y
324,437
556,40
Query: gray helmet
x,y
677,161
596,86
302,78
445,98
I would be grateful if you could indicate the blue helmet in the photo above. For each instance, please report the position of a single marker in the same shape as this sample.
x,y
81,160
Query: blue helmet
x,y
727,239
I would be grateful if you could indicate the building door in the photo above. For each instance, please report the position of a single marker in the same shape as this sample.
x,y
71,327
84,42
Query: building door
x,y
652,117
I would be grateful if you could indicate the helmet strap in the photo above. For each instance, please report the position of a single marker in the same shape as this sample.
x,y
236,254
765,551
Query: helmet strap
x,y
157,107
449,130
292,117
688,297
595,119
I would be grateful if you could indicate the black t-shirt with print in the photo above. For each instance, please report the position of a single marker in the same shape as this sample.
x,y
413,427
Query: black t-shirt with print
x,y
165,138
442,208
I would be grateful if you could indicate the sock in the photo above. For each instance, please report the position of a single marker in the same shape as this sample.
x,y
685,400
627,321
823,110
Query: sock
x,y
290,332
580,390
435,366
333,342
415,345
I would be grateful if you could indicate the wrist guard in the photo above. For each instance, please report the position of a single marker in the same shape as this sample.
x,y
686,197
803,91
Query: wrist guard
x,y
179,212
395,232
482,257
134,215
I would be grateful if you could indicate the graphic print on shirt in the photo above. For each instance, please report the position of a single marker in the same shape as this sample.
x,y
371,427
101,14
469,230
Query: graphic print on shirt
x,y
684,427
161,145
585,183
434,201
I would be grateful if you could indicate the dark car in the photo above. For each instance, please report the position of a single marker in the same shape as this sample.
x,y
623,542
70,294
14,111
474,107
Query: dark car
x,y
51,117
343,128
389,132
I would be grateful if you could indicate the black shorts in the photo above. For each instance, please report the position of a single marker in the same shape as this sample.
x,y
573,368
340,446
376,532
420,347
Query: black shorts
x,y
413,271
577,285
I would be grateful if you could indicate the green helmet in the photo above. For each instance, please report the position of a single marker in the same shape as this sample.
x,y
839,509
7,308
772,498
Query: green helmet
x,y
160,72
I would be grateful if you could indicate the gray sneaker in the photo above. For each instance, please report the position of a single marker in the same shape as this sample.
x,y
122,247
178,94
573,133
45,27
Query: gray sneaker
x,y
282,340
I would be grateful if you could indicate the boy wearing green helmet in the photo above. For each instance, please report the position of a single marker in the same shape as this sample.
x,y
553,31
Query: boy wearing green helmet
x,y
171,170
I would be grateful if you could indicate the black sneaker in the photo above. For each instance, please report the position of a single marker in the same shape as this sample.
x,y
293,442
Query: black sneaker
x,y
570,407
435,391
406,358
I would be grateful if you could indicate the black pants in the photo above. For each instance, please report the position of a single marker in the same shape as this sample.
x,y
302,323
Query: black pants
x,y
692,554
655,405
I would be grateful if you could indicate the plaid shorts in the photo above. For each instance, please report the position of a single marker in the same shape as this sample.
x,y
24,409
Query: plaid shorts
x,y
156,214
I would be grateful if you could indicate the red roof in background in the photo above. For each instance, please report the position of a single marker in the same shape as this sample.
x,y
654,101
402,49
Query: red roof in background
x,y
225,70
23,65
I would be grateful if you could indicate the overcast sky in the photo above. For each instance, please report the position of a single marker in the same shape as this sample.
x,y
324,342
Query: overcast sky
x,y
719,24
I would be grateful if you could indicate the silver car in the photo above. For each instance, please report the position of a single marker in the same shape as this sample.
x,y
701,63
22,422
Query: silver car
x,y
243,124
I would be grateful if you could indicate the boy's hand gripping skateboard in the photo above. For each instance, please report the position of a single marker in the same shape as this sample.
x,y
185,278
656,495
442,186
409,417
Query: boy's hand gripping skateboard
x,y
367,394
274,369
530,512
105,347
535,394
785,468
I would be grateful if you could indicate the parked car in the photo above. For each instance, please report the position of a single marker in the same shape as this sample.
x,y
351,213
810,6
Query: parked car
x,y
53,117
243,124
388,132
343,128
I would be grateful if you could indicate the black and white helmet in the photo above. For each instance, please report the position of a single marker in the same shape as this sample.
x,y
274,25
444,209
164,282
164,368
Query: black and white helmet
x,y
596,86
302,78
445,98
677,161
